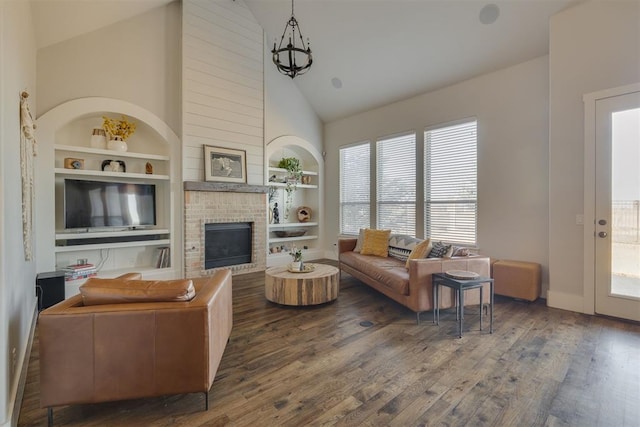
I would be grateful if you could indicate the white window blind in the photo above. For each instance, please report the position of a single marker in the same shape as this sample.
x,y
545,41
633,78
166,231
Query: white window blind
x,y
355,188
396,184
451,183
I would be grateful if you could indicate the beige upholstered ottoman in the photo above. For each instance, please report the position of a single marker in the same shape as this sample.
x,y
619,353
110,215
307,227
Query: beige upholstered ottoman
x,y
517,279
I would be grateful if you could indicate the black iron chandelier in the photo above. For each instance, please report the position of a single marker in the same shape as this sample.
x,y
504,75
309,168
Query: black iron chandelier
x,y
292,60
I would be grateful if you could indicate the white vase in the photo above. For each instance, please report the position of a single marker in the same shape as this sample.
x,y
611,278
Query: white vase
x,y
295,266
117,144
99,139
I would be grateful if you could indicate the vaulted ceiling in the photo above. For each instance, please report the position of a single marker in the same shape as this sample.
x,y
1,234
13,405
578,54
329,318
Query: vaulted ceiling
x,y
388,50
367,53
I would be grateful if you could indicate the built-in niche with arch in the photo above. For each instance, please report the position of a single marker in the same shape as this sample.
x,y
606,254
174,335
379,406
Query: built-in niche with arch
x,y
152,158
302,231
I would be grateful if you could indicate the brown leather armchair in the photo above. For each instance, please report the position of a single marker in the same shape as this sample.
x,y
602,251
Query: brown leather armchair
x,y
129,350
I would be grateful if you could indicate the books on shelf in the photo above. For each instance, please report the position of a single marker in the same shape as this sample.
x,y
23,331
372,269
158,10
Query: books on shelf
x,y
79,271
164,258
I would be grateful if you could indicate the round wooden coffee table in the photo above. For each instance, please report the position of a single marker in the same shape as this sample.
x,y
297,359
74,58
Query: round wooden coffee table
x,y
316,287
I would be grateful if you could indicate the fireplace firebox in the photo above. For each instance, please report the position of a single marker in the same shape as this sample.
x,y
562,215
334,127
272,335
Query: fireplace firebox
x,y
227,244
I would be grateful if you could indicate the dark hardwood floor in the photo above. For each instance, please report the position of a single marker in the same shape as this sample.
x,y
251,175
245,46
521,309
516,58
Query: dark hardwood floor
x,y
326,365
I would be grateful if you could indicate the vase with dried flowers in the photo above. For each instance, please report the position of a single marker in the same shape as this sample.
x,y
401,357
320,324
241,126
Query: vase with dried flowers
x,y
119,131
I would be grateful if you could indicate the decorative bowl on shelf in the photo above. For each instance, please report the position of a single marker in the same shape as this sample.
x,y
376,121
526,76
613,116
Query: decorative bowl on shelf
x,y
289,233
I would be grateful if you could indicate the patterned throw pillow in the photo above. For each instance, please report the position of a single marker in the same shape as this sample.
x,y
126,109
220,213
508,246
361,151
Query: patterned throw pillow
x,y
460,251
420,251
376,242
439,250
401,245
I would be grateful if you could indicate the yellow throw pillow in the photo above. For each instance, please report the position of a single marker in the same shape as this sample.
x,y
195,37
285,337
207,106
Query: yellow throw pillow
x,y
421,250
376,242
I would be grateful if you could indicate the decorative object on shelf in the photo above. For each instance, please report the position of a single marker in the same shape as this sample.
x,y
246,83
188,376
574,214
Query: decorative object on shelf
x,y
119,131
296,254
116,143
293,168
292,55
114,166
274,215
272,193
99,138
225,164
294,174
148,168
304,214
306,179
71,163
289,233
28,150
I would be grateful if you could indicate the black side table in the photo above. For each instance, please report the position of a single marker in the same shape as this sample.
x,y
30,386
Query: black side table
x,y
459,285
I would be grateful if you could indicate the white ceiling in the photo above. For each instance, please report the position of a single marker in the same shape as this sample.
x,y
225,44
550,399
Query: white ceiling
x,y
388,50
382,50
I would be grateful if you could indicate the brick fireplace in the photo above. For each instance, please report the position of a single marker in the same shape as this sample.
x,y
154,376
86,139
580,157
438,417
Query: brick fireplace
x,y
221,203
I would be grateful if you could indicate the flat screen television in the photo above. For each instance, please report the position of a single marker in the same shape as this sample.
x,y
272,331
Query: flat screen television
x,y
99,204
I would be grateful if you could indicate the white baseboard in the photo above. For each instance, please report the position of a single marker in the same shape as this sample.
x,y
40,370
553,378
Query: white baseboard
x,y
565,301
17,391
331,255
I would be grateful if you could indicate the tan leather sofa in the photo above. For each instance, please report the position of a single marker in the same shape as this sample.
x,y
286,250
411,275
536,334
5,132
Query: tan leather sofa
x,y
129,350
410,287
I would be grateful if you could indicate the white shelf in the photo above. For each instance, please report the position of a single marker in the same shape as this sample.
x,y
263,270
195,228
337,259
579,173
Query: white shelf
x,y
118,233
95,173
76,248
282,184
293,225
282,170
291,239
111,153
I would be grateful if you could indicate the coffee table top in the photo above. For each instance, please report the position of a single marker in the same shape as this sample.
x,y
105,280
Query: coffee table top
x,y
320,270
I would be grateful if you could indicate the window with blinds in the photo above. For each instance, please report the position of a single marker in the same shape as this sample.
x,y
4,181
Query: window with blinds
x,y
355,188
396,184
450,182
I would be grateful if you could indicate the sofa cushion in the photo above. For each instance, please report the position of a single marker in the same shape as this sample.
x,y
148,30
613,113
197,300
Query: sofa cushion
x,y
360,240
376,242
401,245
116,291
420,251
389,272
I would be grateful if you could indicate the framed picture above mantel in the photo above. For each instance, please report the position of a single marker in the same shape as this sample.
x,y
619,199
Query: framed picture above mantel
x,y
225,164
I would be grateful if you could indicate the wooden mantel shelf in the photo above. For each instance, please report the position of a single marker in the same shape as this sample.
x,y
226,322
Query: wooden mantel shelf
x,y
224,186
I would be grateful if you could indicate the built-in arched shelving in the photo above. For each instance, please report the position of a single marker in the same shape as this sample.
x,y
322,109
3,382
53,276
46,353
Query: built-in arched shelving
x,y
65,132
307,194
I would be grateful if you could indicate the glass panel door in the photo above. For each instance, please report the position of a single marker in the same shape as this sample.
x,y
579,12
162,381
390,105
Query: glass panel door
x,y
618,206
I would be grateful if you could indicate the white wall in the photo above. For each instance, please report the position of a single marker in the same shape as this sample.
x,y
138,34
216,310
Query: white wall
x,y
511,108
17,277
287,112
223,96
593,46
137,60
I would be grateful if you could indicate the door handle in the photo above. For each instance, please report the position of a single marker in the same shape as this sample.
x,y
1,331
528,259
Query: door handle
x,y
602,222
602,234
